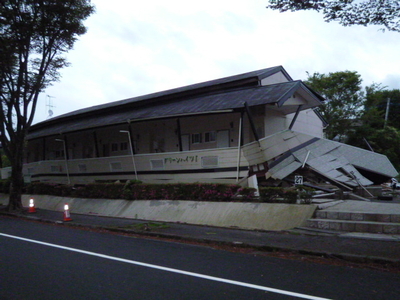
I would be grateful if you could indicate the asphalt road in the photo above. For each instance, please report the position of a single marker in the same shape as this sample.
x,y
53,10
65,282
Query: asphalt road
x,y
43,261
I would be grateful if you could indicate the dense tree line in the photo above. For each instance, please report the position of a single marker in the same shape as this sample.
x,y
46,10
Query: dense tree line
x,y
367,117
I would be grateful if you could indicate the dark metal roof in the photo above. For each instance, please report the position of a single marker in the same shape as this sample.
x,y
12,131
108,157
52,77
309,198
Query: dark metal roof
x,y
203,103
213,86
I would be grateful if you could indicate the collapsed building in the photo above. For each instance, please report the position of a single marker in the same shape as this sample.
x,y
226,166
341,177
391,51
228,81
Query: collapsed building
x,y
260,127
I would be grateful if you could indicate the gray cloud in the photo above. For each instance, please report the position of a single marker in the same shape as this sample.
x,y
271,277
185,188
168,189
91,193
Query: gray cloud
x,y
134,48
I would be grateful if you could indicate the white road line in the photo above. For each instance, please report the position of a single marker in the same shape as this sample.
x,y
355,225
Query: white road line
x,y
233,282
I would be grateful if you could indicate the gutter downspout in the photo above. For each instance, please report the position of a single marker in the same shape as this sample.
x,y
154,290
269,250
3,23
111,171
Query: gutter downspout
x,y
253,127
295,117
178,124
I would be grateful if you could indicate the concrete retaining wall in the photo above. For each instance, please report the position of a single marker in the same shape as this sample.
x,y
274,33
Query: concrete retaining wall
x,y
262,216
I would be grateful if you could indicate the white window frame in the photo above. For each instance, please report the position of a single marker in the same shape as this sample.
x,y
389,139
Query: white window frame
x,y
123,146
196,138
210,137
114,147
205,161
157,164
115,166
82,168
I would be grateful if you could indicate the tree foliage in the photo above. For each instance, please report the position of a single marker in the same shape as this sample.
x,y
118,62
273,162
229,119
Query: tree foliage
x,y
383,137
344,100
348,12
34,35
378,98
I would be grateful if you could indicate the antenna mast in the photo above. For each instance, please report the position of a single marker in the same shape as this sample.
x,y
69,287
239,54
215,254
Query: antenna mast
x,y
49,106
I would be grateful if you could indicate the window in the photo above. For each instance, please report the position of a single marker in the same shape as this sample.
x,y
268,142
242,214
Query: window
x,y
82,168
209,161
210,137
124,146
157,164
196,138
115,166
114,147
55,169
59,153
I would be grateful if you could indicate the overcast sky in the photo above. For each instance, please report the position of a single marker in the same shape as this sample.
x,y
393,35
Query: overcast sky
x,y
134,48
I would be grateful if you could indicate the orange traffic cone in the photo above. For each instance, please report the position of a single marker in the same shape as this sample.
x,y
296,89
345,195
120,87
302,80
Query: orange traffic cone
x,y
67,216
32,208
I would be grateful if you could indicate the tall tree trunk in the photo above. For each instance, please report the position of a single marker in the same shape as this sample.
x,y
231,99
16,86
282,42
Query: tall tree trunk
x,y
17,181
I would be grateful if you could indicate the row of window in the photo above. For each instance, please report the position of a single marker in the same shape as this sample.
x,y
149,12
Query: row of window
x,y
209,136
114,148
119,147
197,138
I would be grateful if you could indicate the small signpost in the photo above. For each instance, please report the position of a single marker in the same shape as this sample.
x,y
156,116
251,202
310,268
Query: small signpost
x,y
298,180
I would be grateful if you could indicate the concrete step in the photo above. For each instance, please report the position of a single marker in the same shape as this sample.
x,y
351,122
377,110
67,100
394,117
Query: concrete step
x,y
355,226
358,216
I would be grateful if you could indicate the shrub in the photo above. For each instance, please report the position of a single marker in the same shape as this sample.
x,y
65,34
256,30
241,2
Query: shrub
x,y
180,191
100,190
41,188
246,194
305,194
290,196
278,195
135,190
270,194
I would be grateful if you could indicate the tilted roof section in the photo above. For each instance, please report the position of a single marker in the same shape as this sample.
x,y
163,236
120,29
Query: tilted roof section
x,y
274,95
213,86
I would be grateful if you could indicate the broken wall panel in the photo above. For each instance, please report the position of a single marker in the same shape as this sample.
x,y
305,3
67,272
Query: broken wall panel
x,y
288,151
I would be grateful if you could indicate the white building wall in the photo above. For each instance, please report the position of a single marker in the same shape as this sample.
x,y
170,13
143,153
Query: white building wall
x,y
307,122
275,78
274,122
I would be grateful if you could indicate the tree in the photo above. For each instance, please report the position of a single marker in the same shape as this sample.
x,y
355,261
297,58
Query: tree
x,y
344,100
34,35
383,137
378,98
348,12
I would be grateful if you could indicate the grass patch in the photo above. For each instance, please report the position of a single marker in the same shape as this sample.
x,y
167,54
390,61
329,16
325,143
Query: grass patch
x,y
147,226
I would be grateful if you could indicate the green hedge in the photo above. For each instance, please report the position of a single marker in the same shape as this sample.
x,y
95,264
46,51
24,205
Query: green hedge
x,y
135,190
92,190
288,195
180,191
278,195
305,194
41,188
100,190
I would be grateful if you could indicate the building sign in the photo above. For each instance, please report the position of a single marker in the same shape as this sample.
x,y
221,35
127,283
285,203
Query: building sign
x,y
187,159
298,180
